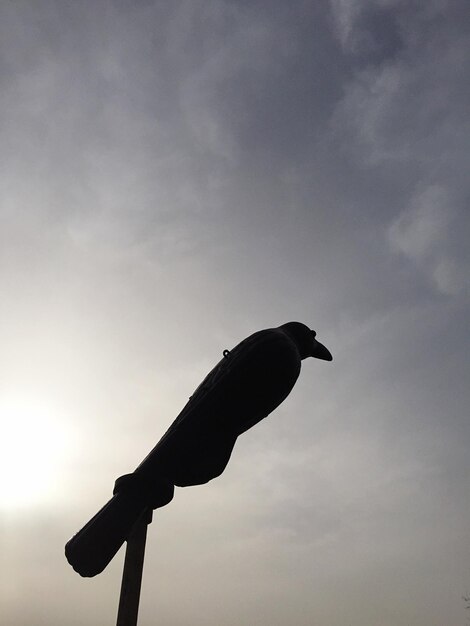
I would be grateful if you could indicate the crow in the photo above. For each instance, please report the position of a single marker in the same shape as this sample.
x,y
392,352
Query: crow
x,y
245,386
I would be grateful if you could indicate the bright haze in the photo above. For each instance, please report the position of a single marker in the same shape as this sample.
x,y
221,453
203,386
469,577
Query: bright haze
x,y
175,176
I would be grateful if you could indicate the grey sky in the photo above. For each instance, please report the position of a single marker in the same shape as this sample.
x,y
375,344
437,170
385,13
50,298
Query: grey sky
x,y
177,175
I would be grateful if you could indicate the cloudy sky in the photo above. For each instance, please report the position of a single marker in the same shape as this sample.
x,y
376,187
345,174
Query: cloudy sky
x,y
175,176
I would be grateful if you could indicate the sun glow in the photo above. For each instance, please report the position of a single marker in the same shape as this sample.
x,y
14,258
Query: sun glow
x,y
33,448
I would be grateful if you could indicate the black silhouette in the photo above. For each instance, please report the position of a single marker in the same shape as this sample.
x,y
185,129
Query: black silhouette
x,y
247,384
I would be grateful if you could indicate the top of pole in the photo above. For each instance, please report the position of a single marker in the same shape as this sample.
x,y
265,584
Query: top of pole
x,y
132,573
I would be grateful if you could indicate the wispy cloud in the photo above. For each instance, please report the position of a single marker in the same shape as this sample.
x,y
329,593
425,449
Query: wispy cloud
x,y
422,233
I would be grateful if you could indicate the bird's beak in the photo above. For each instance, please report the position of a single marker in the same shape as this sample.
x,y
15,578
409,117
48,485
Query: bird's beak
x,y
319,351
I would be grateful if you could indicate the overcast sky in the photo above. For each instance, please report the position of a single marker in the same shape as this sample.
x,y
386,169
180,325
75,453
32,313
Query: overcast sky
x,y
175,176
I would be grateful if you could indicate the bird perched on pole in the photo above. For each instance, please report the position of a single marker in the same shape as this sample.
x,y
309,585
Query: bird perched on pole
x,y
247,384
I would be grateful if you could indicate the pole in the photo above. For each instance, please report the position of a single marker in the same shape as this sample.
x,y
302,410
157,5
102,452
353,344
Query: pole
x,y
132,572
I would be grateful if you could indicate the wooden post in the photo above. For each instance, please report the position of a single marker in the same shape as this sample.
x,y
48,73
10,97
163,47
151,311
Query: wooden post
x,y
132,573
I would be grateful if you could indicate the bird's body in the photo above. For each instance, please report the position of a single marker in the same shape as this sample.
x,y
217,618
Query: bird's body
x,y
244,387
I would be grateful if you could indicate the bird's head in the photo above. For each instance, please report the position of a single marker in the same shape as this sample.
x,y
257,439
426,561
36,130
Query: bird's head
x,y
304,338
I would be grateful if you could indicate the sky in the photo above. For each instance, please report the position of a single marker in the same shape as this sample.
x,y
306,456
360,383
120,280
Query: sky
x,y
176,176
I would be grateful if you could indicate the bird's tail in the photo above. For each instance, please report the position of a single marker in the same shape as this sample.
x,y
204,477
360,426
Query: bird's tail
x,y
93,547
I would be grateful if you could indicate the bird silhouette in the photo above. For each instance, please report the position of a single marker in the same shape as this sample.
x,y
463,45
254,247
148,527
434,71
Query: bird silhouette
x,y
245,386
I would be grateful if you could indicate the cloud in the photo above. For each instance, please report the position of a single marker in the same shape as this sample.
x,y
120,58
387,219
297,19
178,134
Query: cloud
x,y
451,278
423,226
408,107
403,113
422,233
367,29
